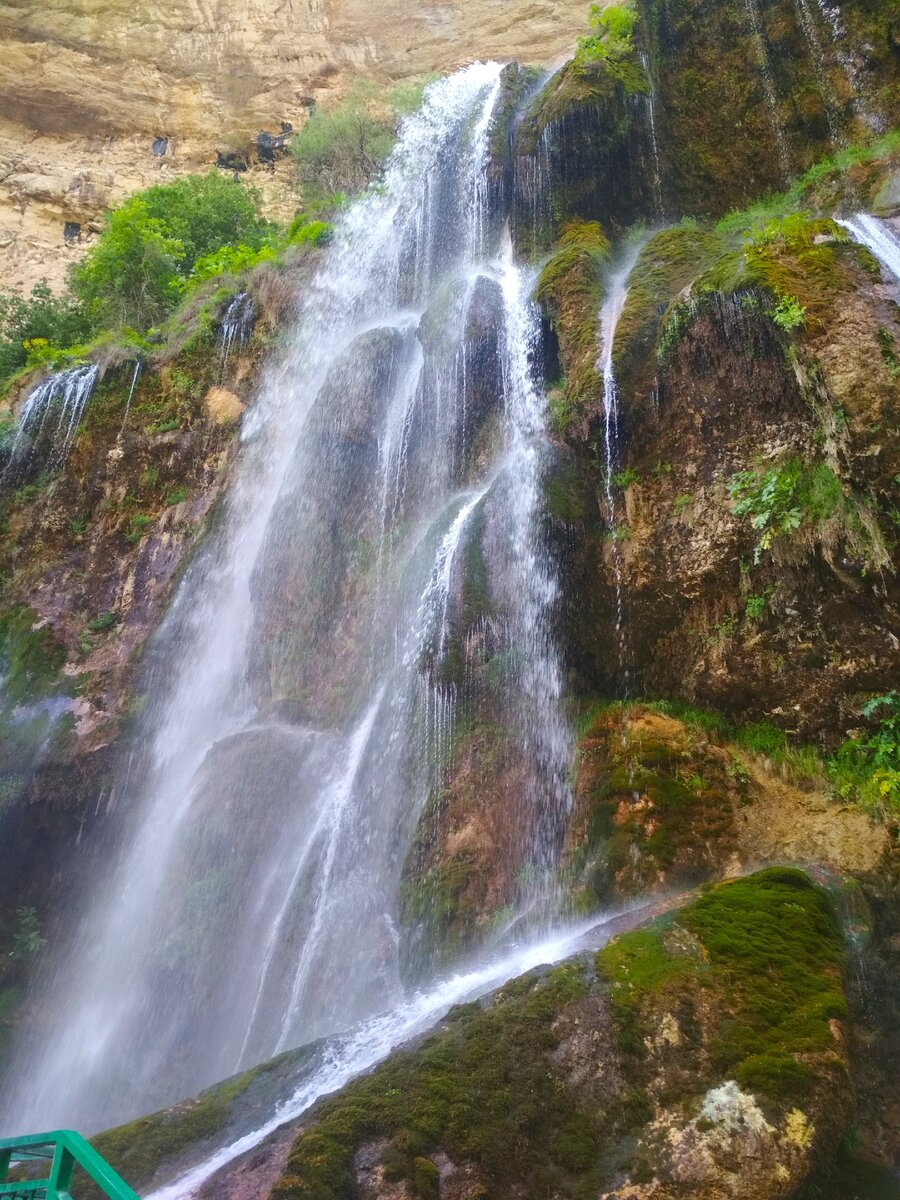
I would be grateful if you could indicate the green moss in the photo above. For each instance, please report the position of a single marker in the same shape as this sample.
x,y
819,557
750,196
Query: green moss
x,y
138,1149
570,288
766,954
647,804
482,1090
669,261
31,658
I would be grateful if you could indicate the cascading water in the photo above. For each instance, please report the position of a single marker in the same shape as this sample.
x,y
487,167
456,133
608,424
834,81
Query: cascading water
x,y
613,304
359,1049
651,121
877,237
236,326
50,415
298,713
135,376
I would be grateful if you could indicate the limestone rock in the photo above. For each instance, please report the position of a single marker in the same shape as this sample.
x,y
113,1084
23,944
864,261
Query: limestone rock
x,y
222,406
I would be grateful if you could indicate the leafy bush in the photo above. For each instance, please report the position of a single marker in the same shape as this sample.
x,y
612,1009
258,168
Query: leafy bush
x,y
788,313
27,938
137,270
38,325
343,148
612,37
868,770
780,499
227,260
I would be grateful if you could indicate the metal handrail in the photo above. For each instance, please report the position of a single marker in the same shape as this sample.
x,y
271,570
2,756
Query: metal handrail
x,y
65,1150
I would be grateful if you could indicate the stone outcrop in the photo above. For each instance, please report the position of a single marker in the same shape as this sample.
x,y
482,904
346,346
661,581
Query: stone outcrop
x,y
101,99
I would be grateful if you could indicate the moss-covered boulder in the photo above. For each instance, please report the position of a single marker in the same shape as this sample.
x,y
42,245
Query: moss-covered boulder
x,y
570,289
703,1055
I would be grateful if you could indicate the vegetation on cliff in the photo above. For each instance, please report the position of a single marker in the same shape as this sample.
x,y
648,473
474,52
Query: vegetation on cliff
x,y
591,1074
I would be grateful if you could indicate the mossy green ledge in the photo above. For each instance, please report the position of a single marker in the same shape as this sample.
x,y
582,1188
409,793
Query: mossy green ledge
x,y
703,1054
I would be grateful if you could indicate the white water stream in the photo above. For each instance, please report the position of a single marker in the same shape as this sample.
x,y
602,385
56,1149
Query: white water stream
x,y
876,236
364,1047
298,719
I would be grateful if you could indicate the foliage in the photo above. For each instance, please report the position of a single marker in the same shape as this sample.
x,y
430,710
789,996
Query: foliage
x,y
135,273
343,148
37,326
226,260
612,37
788,313
868,768
888,350
778,500
27,938
306,232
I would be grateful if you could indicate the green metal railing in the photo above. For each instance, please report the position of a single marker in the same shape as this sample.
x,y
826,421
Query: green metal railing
x,y
64,1151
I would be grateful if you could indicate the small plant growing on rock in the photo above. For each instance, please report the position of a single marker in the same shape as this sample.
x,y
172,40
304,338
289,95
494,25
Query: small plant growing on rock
x,y
612,37
788,313
27,938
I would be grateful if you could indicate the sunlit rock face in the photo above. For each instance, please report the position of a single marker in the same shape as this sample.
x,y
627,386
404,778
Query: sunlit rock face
x,y
101,97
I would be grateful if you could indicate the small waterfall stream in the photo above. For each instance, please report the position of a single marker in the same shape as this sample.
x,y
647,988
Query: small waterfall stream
x,y
295,728
877,237
752,9
235,328
614,303
50,417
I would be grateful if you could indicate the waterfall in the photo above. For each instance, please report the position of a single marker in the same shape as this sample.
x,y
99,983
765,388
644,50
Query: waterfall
x,y
236,326
613,304
50,417
362,1048
877,237
300,705
135,375
651,121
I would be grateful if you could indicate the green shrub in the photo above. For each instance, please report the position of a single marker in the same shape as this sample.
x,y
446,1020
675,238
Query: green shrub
x,y
41,323
135,273
788,313
867,769
27,938
780,499
612,37
343,148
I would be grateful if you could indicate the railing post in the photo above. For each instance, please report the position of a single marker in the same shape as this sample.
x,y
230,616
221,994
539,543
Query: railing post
x,y
5,1156
60,1181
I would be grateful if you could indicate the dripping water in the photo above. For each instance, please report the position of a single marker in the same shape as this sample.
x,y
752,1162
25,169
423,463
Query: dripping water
x,y
765,65
651,121
138,364
236,327
614,303
50,417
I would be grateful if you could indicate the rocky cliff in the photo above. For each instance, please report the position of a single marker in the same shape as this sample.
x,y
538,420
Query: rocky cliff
x,y
99,99
726,545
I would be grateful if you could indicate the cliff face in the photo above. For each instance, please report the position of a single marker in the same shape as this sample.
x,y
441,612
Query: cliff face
x,y
101,97
756,361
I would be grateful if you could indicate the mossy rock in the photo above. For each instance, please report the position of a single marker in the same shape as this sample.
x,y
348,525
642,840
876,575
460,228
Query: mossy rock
x,y
570,288
654,806
508,1095
155,1147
